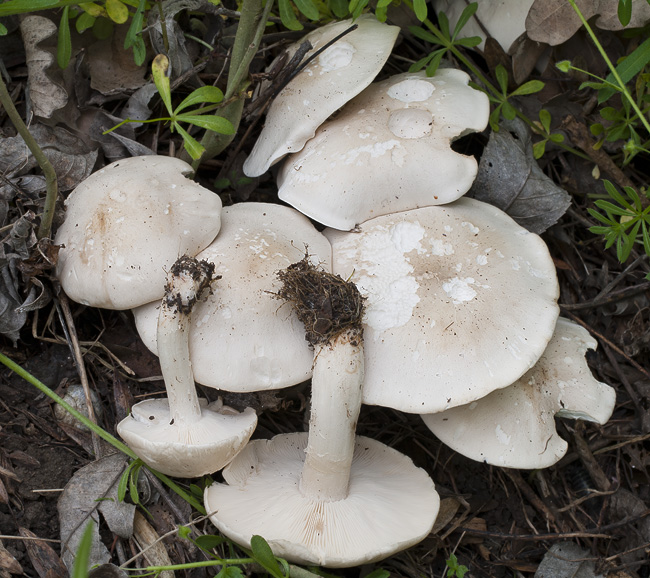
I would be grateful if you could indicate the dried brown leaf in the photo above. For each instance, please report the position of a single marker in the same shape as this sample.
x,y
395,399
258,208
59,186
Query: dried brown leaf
x,y
510,178
46,96
555,21
45,560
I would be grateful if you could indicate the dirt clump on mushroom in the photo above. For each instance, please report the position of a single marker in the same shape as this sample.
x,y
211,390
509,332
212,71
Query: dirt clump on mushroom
x,y
325,303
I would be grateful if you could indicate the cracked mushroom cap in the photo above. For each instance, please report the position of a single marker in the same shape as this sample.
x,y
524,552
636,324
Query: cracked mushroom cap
x,y
392,504
126,224
201,447
243,339
514,427
388,150
325,85
503,20
460,301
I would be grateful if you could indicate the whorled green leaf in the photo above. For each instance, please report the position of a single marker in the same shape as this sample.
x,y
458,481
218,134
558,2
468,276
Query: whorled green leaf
x,y
117,11
611,208
84,21
530,87
624,11
213,123
93,9
308,9
545,119
443,25
135,28
466,14
210,94
287,15
159,69
502,78
469,42
193,147
423,34
103,28
434,64
494,118
509,111
338,7
358,8
421,10
64,42
539,148
3,29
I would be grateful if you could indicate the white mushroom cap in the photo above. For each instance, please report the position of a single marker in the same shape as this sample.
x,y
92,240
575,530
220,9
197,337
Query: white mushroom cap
x,y
242,337
391,504
203,447
460,301
515,427
503,20
388,151
126,224
325,85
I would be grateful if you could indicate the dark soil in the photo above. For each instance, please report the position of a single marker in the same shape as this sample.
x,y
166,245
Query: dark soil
x,y
497,522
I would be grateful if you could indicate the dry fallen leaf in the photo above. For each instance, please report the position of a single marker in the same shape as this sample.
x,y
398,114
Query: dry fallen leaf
x,y
510,178
93,488
555,21
46,96
42,556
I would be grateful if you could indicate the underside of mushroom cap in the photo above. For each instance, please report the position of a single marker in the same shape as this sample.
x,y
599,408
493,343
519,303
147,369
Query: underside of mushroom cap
x,y
126,224
190,450
515,427
388,150
460,301
391,505
325,85
242,337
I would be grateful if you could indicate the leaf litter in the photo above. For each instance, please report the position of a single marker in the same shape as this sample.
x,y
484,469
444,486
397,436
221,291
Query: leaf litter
x,y
495,526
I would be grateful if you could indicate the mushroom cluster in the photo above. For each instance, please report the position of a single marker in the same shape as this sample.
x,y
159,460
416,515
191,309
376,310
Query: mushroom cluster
x,y
412,297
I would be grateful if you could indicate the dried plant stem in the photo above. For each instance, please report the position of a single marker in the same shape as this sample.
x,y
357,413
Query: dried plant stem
x,y
51,185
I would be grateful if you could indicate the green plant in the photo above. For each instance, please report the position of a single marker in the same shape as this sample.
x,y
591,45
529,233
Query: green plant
x,y
503,106
444,38
625,221
544,129
454,569
197,117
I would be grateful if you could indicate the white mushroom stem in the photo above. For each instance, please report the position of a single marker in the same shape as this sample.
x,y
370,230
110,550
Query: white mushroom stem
x,y
336,400
187,280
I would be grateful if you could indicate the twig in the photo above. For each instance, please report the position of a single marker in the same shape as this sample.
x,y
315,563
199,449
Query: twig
x,y
81,368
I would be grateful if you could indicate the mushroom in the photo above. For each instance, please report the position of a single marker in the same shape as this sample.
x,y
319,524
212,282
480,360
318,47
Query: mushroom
x,y
460,301
514,427
388,151
503,20
326,497
183,436
126,224
241,340
334,77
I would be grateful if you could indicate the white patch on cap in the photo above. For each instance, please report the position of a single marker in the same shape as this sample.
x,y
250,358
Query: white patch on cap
x,y
411,90
384,274
337,56
459,290
410,123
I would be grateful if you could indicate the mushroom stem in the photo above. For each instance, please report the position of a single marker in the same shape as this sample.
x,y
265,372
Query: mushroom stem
x,y
335,403
188,278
